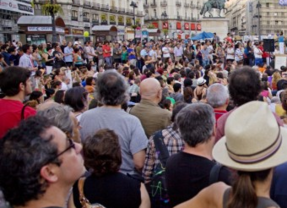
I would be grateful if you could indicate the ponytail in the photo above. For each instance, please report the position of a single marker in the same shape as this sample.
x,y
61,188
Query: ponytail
x,y
243,191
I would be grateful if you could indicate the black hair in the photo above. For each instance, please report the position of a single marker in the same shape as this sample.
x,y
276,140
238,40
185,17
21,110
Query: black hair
x,y
11,78
25,48
76,98
26,146
35,95
59,96
176,87
244,85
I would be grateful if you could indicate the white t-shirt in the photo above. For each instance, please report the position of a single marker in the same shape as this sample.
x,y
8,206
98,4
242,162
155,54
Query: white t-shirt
x,y
230,53
257,52
166,53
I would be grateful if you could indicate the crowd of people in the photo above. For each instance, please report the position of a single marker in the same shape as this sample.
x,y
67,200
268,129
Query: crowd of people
x,y
149,124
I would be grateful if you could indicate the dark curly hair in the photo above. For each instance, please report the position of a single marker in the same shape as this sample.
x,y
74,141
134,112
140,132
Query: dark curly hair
x,y
10,79
244,85
102,152
23,152
76,98
112,89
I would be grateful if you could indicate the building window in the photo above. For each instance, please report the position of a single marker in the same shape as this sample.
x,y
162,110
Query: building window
x,y
268,22
275,14
268,13
267,4
74,13
276,22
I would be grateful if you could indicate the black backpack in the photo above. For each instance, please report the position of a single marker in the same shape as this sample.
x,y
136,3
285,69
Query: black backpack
x,y
157,188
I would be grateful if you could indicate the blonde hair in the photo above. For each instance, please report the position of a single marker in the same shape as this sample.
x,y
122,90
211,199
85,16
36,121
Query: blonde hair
x,y
276,77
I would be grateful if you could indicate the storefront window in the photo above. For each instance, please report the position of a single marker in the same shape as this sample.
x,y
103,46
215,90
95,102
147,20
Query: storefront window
x,y
36,39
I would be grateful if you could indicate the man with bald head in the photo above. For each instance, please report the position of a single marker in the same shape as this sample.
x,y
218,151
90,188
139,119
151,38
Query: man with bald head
x,y
152,117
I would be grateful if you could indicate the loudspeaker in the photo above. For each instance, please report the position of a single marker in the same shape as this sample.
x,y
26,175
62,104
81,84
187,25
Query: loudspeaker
x,y
269,45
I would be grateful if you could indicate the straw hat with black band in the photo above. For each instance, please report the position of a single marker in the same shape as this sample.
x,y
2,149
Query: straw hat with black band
x,y
253,140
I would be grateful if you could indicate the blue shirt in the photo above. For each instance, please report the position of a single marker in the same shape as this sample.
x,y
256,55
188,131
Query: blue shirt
x,y
68,50
278,190
131,56
281,39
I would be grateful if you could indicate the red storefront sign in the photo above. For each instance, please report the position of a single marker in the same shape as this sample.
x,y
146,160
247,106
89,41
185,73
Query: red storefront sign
x,y
192,26
155,24
178,25
165,25
186,36
186,26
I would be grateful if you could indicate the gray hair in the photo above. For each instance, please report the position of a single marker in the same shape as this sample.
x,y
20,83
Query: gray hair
x,y
195,123
217,95
59,116
112,89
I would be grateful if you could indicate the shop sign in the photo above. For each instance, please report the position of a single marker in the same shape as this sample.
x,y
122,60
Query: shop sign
x,y
178,25
198,27
44,29
192,26
120,20
77,31
112,19
165,25
144,33
186,26
155,24
16,6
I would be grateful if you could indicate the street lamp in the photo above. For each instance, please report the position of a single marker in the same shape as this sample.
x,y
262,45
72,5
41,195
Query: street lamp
x,y
164,15
54,35
134,5
258,6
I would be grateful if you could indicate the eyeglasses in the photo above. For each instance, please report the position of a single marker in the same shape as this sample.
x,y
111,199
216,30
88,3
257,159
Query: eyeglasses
x,y
71,146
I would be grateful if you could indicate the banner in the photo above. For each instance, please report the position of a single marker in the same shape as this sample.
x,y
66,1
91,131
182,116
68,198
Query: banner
x,y
178,25
186,26
16,6
165,25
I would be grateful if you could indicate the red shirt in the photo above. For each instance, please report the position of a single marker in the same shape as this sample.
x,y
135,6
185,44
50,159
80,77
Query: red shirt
x,y
108,49
10,114
219,113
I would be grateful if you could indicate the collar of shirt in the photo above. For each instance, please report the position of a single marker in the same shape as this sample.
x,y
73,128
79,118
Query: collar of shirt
x,y
148,102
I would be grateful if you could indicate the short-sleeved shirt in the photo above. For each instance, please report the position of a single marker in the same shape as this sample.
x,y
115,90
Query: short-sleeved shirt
x,y
128,128
106,48
188,174
133,56
10,114
112,191
278,190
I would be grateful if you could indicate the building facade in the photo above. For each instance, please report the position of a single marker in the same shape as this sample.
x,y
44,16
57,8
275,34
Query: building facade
x,y
102,19
176,18
10,11
245,16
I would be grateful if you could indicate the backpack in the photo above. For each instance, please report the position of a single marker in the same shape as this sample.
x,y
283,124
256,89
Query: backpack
x,y
157,188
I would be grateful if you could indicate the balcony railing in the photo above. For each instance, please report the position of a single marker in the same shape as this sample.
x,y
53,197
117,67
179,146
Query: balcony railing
x,y
114,9
153,5
97,6
179,17
163,4
85,19
74,18
140,13
76,2
105,7
121,10
87,3
186,5
95,21
178,4
192,6
146,6
129,11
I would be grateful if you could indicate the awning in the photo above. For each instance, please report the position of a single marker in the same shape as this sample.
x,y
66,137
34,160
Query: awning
x,y
105,30
40,20
154,32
